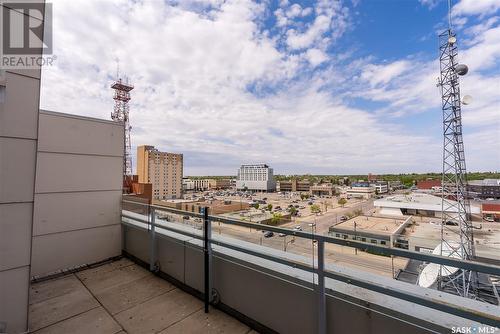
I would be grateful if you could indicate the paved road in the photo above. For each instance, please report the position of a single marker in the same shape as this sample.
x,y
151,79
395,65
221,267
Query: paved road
x,y
333,253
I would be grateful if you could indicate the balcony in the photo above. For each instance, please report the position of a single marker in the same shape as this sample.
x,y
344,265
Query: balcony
x,y
169,262
121,296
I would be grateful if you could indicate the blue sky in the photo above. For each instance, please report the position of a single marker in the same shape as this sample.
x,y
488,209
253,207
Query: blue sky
x,y
330,87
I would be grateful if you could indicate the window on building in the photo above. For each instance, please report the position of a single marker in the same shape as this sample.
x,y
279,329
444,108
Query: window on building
x,y
383,242
373,241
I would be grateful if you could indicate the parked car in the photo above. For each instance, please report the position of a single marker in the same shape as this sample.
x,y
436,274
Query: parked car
x,y
298,228
451,223
489,219
185,217
343,218
282,234
268,234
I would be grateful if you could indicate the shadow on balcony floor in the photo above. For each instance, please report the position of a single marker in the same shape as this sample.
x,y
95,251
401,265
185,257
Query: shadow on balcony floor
x,y
121,297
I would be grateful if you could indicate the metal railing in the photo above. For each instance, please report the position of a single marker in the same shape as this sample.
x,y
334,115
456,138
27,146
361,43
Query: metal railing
x,y
319,270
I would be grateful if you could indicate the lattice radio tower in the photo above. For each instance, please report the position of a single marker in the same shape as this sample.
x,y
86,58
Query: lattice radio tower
x,y
456,228
121,114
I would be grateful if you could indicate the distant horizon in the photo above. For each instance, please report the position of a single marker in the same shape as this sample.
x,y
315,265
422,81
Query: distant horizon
x,y
342,175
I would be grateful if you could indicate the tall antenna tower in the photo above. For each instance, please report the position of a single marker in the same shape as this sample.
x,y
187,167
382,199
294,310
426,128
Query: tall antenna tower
x,y
456,228
121,114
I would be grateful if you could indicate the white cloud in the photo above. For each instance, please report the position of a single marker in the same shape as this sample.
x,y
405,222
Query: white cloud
x,y
382,74
331,21
485,50
429,3
316,56
196,73
475,7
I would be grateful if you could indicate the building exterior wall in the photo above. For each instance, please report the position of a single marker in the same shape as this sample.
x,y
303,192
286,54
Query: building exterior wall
x,y
201,184
293,186
395,185
428,184
214,207
256,177
219,183
162,169
488,188
19,101
380,187
323,189
78,192
360,191
187,184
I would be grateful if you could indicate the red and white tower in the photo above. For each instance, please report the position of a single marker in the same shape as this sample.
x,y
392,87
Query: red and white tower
x,y
121,114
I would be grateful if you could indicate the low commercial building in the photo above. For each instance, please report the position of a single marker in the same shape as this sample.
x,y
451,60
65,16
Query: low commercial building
x,y
428,184
187,184
293,185
259,217
425,236
381,187
323,189
395,185
258,177
201,184
413,204
215,207
491,211
360,190
375,230
205,184
216,184
487,188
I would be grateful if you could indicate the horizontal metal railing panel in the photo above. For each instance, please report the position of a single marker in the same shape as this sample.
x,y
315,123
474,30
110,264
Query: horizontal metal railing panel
x,y
443,260
436,304
460,311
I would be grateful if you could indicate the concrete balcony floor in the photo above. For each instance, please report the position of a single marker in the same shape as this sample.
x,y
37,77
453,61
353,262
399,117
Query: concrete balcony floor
x,y
121,297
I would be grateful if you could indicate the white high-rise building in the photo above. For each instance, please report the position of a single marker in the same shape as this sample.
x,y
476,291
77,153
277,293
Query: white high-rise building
x,y
256,177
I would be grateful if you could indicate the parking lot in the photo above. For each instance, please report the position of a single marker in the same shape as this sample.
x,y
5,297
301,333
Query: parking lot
x,y
330,213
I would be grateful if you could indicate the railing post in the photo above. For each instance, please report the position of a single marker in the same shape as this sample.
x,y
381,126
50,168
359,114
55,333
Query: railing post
x,y
206,253
321,288
152,241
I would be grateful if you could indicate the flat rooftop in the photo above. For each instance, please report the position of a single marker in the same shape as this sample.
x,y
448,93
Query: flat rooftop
x,y
418,201
121,297
371,224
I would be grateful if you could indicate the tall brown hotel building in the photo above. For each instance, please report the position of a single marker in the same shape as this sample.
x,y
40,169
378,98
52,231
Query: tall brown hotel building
x,y
162,169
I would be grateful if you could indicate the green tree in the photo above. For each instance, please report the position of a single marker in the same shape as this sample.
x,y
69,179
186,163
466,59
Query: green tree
x,y
269,207
315,208
276,219
293,211
342,201
256,205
